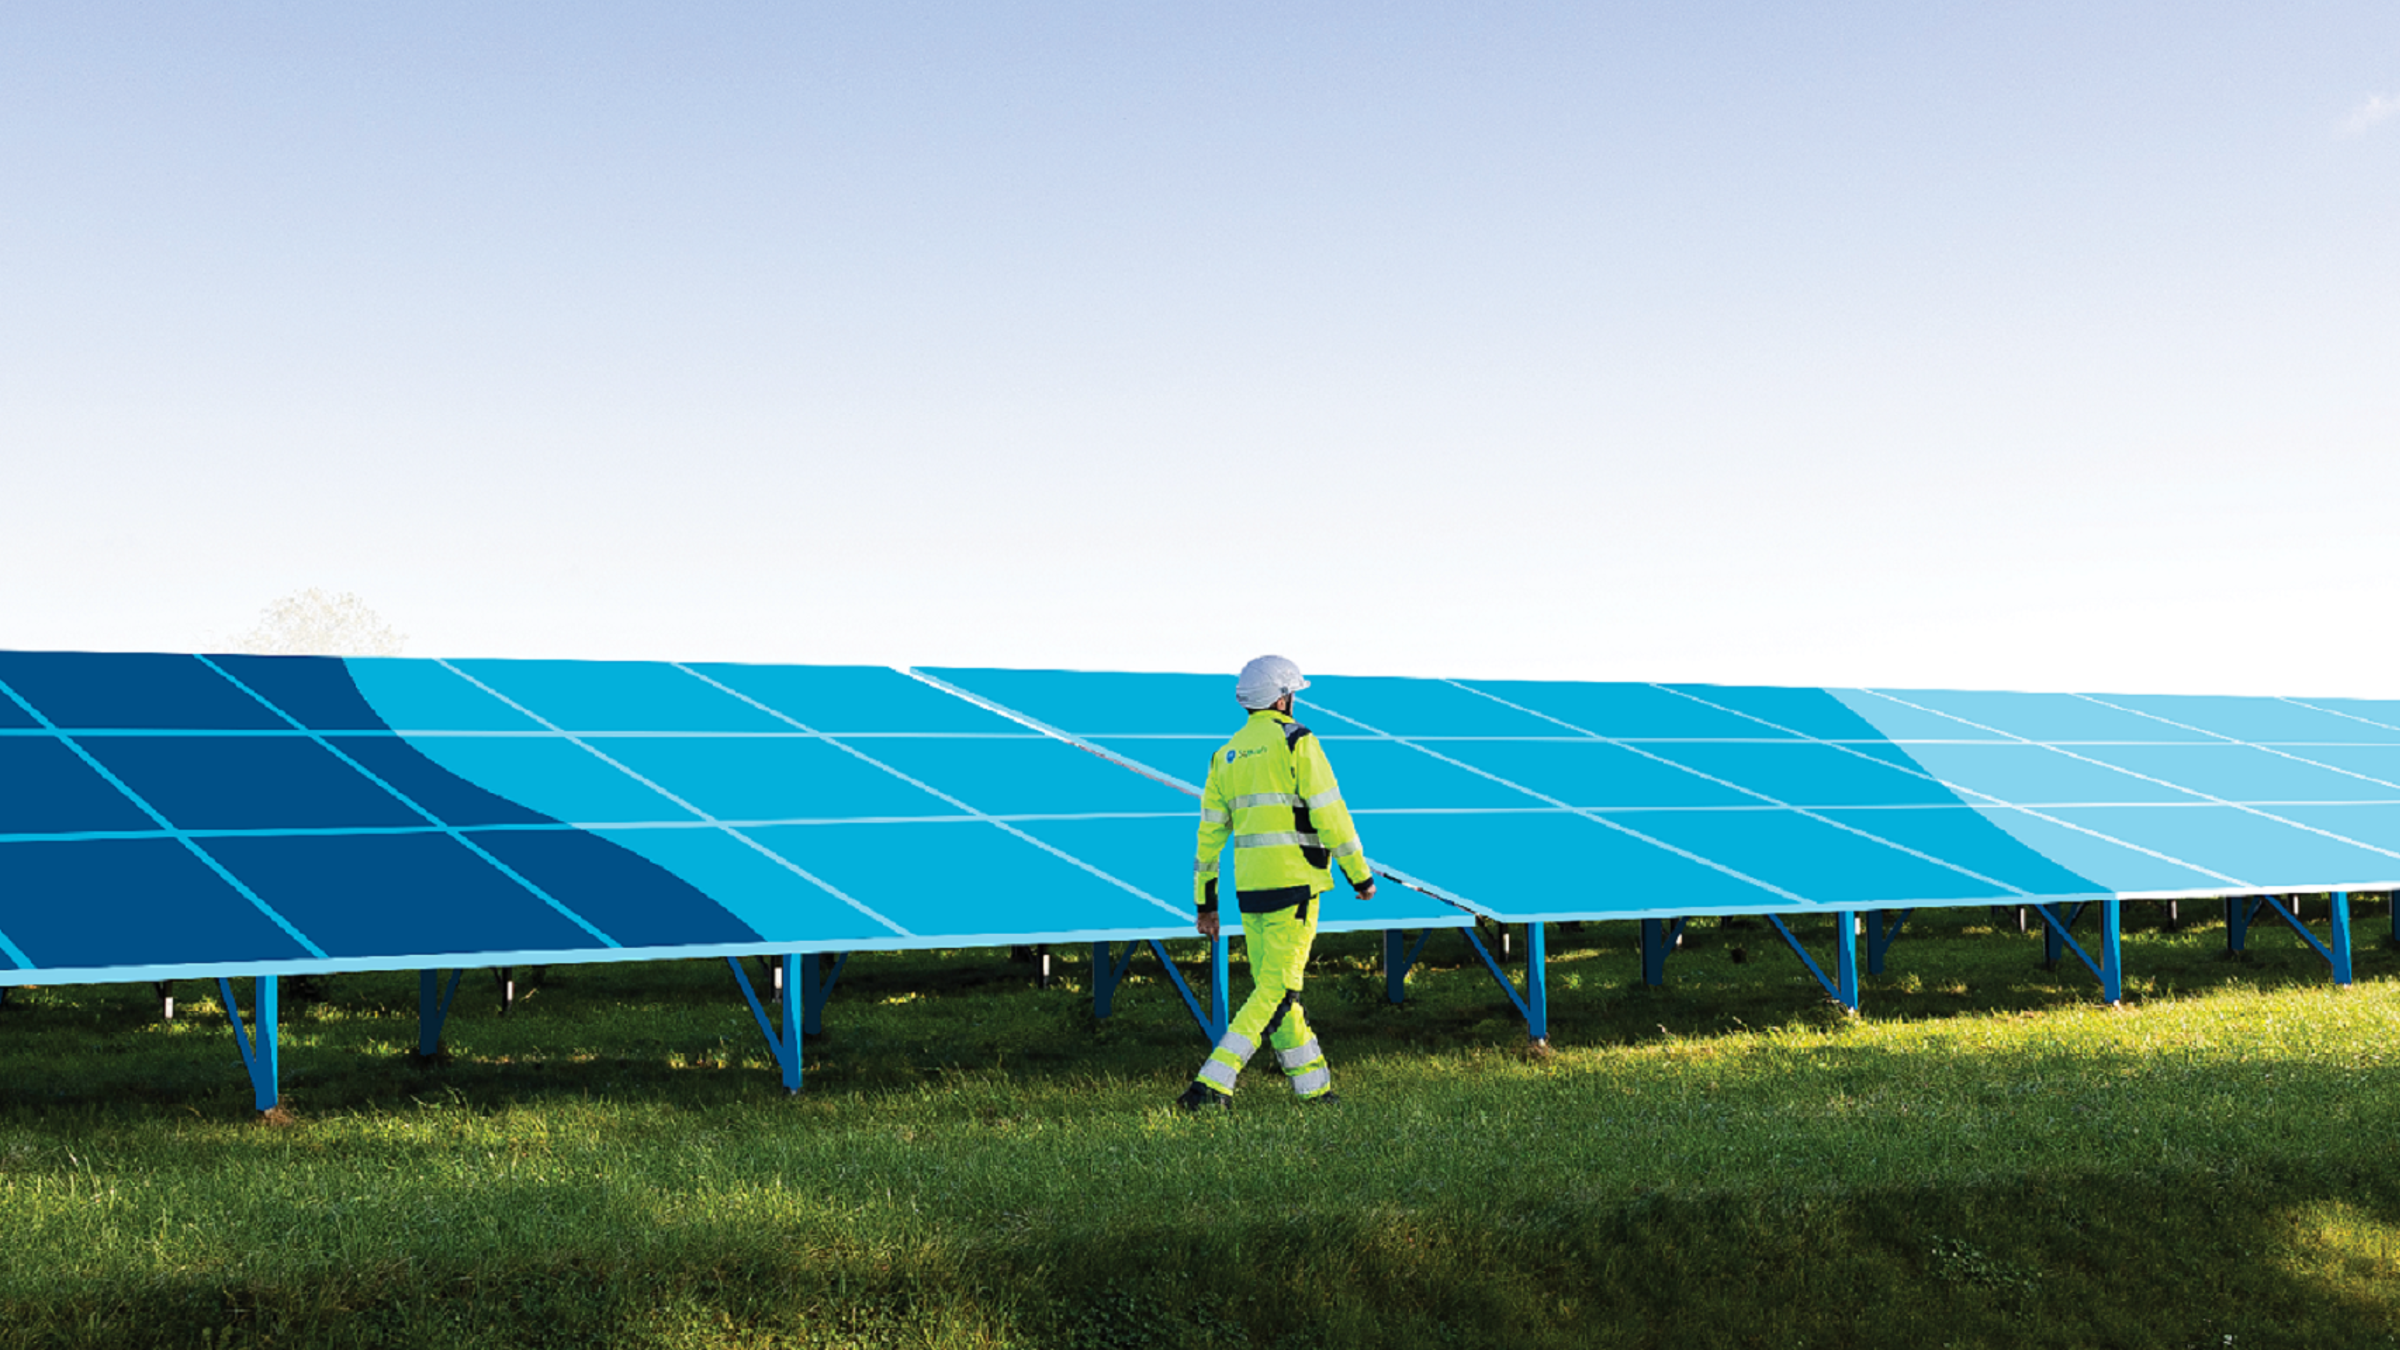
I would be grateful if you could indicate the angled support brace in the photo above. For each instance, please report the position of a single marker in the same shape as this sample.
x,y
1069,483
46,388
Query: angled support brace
x,y
1883,928
258,1045
1843,987
816,986
1398,957
1108,971
433,1009
1214,1017
1659,936
2109,970
783,1034
2336,956
1534,1004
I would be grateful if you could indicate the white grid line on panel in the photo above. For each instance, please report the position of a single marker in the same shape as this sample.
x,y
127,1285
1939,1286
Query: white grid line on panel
x,y
2153,778
2364,721
922,786
1920,771
763,851
239,886
1710,863
1768,798
456,835
2223,739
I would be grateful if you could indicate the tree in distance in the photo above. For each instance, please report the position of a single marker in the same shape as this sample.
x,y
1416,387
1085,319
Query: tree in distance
x,y
313,623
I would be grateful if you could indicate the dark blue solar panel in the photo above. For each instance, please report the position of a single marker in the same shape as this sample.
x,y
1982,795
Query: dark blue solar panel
x,y
316,690
616,890
46,789
80,690
619,696
1593,773
1802,774
858,699
1637,711
1402,707
1969,838
128,902
247,783
1809,712
14,718
452,799
734,778
1813,859
396,895
1104,703
1040,776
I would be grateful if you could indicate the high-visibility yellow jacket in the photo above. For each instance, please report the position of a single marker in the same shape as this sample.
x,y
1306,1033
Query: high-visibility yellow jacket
x,y
1271,792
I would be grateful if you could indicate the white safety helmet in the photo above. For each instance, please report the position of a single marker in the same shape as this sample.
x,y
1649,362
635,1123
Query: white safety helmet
x,y
1266,680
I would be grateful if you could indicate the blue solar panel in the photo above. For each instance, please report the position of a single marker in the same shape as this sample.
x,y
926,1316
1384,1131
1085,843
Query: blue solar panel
x,y
617,890
2032,717
1818,713
1408,708
412,696
2267,720
643,696
396,895
2243,773
1104,703
1802,774
552,776
94,904
773,779
2254,851
1626,711
45,789
1812,859
315,691
844,700
451,799
1968,838
2017,773
1034,776
240,782
89,691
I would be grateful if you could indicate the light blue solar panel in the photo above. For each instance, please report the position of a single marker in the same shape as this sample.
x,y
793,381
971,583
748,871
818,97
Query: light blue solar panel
x,y
779,778
1909,723
2244,773
2113,864
988,886
1813,859
1593,774
1806,712
2255,851
855,699
1103,703
2378,762
647,696
552,776
1626,711
2035,717
2373,715
1387,776
1155,853
1961,835
1802,774
2255,719
761,887
2022,774
424,696
1534,868
1403,707
1034,776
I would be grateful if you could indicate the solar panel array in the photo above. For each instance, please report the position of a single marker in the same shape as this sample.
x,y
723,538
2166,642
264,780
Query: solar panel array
x,y
1532,801
172,816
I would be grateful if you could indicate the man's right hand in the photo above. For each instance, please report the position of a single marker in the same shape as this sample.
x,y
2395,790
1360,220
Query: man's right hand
x,y
1367,892
1208,923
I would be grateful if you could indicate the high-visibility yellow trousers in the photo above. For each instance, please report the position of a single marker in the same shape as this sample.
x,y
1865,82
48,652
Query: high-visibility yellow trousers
x,y
1278,944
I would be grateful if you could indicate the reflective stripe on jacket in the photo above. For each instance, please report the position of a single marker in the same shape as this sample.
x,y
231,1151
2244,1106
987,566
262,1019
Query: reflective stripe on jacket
x,y
1272,794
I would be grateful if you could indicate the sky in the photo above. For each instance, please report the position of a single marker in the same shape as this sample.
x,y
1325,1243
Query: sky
x,y
2040,346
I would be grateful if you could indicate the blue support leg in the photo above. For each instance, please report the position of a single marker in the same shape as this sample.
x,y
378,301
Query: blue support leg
x,y
2238,909
2341,938
1537,982
1845,957
1654,952
783,1038
811,974
259,1045
433,1008
1395,974
2054,938
792,1025
2112,950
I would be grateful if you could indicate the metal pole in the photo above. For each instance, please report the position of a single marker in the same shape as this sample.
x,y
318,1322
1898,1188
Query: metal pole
x,y
265,1083
2341,938
1846,956
1395,975
1537,982
2112,950
1220,986
797,1008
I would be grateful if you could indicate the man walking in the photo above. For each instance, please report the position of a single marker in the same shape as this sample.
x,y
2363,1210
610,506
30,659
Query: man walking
x,y
1271,791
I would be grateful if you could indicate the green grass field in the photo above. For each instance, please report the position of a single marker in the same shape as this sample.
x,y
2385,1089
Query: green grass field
x,y
1987,1158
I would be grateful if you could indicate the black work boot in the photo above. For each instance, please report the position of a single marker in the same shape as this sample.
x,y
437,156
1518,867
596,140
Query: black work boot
x,y
1321,1099
1199,1098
